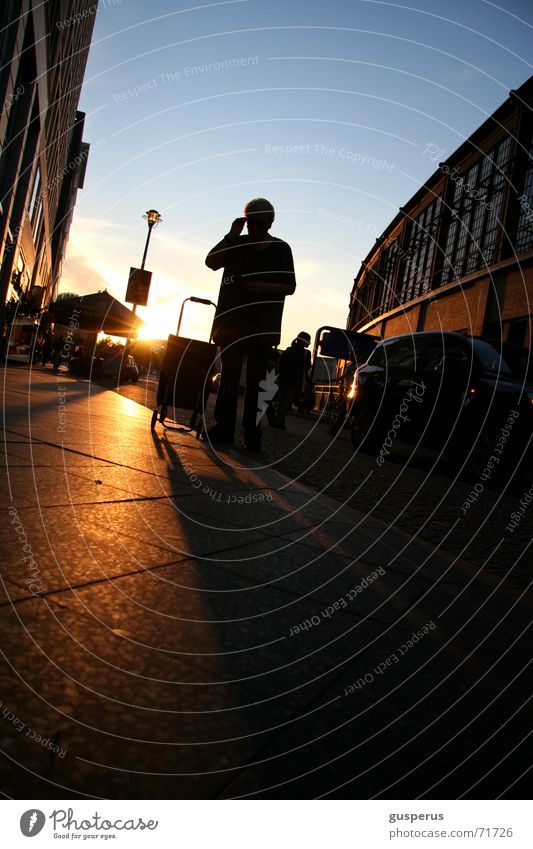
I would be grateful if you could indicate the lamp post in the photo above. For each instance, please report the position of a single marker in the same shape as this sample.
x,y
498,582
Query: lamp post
x,y
153,218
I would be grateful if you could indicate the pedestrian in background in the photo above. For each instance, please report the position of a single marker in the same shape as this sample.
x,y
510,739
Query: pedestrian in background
x,y
48,344
293,374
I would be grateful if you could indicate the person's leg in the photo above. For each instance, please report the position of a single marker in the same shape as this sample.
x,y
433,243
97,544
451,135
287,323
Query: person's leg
x,y
287,394
228,391
257,354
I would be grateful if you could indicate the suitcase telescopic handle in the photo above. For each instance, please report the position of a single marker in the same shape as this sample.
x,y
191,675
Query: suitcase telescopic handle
x,y
195,300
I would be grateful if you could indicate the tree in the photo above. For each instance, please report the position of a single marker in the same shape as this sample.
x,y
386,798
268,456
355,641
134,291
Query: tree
x,y
65,295
108,346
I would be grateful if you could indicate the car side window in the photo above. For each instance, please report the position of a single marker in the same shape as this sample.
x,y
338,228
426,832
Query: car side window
x,y
433,354
454,348
406,355
378,357
445,351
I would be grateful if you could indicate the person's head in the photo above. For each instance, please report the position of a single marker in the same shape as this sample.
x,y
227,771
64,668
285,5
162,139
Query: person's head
x,y
303,339
259,214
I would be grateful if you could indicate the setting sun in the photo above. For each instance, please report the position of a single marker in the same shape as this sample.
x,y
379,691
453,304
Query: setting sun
x,y
158,322
161,319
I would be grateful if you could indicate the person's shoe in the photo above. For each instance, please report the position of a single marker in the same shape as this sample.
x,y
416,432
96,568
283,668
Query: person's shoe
x,y
216,436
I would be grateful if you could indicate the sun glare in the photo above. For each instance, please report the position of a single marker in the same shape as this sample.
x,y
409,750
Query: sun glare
x,y
160,321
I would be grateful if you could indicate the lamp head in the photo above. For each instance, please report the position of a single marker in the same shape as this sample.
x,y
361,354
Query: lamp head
x,y
153,217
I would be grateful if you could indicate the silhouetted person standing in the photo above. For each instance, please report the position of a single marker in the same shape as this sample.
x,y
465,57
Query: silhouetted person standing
x,y
48,345
293,373
258,274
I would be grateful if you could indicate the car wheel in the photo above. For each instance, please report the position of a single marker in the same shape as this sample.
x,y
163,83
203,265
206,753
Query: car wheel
x,y
366,431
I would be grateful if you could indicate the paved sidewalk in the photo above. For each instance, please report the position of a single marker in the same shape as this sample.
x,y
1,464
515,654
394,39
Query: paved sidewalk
x,y
178,623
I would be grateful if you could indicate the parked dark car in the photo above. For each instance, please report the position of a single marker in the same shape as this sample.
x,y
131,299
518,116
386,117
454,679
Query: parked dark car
x,y
447,391
122,368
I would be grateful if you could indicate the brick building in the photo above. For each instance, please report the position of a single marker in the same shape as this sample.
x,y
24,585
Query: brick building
x,y
43,54
459,254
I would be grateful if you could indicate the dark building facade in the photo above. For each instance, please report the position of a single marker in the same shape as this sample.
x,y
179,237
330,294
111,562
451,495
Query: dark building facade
x,y
459,255
43,54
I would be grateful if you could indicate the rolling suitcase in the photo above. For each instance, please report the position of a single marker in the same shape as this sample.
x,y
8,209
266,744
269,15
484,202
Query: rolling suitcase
x,y
185,376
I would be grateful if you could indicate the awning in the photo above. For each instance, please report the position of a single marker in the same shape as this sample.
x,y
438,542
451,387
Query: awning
x,y
96,312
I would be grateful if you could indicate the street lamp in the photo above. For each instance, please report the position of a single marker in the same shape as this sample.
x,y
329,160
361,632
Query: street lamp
x,y
153,218
140,276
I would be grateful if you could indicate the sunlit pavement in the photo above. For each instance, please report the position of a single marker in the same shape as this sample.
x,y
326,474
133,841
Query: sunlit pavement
x,y
181,624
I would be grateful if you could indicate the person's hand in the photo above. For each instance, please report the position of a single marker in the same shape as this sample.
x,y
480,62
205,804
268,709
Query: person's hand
x,y
236,228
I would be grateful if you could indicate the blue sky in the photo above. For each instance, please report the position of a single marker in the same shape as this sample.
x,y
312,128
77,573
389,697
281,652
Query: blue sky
x,y
326,109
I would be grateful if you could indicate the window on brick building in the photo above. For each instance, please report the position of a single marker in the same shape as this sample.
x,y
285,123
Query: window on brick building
x,y
418,252
362,303
475,232
516,334
524,234
388,261
34,191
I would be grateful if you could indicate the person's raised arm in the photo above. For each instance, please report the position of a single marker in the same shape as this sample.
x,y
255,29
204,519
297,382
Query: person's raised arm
x,y
216,258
